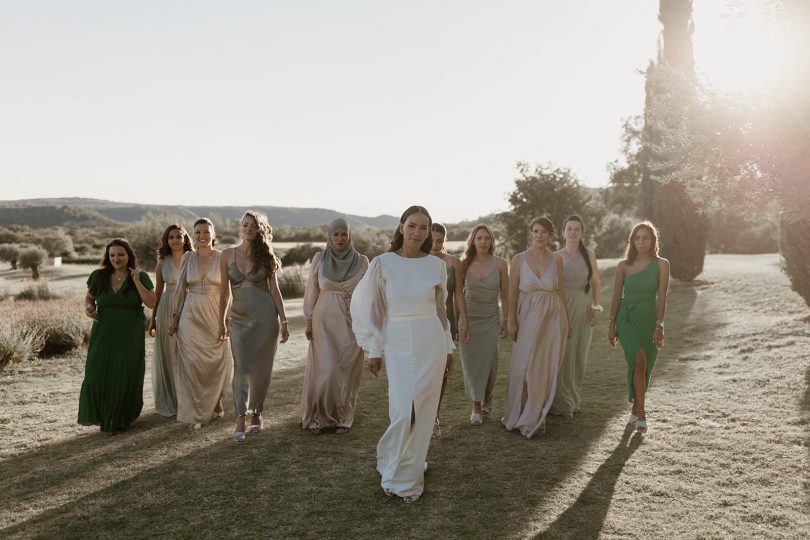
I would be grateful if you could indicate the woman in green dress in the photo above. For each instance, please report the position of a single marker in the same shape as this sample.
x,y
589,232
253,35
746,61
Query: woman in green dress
x,y
455,299
637,313
112,391
583,292
485,277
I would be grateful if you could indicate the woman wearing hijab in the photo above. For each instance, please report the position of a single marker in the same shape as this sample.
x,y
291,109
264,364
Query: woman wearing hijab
x,y
335,361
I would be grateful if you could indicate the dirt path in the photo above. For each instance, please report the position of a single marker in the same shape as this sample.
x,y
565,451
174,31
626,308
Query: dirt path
x,y
726,456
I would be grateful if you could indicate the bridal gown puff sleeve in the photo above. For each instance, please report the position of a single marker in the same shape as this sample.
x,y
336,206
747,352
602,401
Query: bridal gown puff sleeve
x,y
398,310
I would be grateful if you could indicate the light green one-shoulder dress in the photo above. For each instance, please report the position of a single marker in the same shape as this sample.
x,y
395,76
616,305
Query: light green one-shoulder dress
x,y
635,320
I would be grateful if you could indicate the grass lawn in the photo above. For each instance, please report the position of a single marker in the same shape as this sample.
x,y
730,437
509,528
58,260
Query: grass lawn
x,y
726,455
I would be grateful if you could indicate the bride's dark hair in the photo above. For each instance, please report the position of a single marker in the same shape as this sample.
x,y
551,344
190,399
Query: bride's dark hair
x,y
396,242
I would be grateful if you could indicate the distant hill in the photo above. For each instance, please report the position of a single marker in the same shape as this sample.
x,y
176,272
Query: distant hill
x,y
74,211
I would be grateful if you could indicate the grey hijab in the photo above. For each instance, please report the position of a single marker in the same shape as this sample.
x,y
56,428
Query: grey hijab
x,y
340,265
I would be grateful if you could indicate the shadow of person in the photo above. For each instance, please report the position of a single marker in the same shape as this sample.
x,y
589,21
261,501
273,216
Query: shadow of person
x,y
584,518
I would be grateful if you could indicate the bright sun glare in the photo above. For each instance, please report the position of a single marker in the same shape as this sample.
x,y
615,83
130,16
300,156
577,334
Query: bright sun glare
x,y
741,47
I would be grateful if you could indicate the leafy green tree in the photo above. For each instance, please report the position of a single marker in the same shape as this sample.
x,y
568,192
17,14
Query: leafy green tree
x,y
33,257
56,242
10,253
546,190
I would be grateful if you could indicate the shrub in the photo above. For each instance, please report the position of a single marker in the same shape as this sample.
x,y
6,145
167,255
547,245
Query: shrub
x,y
292,280
55,242
795,249
17,342
300,254
33,258
10,253
371,242
59,326
36,291
611,239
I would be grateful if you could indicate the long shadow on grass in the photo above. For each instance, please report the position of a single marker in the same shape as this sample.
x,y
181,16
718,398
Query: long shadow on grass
x,y
584,519
285,482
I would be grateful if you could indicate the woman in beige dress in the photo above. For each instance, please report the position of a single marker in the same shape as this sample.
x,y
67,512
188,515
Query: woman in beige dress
x,y
204,366
173,244
335,361
485,277
538,324
257,313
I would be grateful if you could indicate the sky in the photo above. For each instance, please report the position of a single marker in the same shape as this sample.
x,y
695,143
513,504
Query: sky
x,y
362,106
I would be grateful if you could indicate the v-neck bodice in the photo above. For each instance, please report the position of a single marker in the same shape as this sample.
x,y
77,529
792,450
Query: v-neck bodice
x,y
530,282
256,279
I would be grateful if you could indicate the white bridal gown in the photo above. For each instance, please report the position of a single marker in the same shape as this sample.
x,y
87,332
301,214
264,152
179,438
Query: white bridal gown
x,y
398,311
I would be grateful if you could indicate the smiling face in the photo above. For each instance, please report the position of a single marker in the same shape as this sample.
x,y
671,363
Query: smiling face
x,y
176,240
203,235
573,231
540,236
415,230
118,257
438,243
249,229
340,239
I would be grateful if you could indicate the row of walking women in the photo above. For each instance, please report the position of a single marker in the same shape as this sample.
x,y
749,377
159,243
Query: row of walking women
x,y
407,306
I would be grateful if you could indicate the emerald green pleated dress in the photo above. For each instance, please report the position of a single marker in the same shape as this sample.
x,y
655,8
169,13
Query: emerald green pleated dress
x,y
635,321
112,390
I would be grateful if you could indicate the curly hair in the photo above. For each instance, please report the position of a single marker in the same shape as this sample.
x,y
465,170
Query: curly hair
x,y
261,253
164,248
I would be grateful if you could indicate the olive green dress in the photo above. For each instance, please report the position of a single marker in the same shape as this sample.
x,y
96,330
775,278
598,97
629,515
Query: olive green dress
x,y
112,390
635,321
479,356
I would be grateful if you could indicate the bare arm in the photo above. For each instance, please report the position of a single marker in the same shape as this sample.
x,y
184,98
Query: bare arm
x,y
160,286
224,294
503,271
596,290
459,302
514,289
275,292
90,305
561,289
147,295
663,285
618,285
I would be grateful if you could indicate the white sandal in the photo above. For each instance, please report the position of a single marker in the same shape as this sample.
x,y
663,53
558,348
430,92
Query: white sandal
x,y
476,419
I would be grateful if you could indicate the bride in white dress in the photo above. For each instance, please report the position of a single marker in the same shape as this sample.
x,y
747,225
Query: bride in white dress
x,y
399,308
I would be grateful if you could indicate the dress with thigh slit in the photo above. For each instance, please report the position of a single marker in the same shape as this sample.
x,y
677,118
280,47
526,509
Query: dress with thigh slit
x,y
479,356
537,352
398,309
635,320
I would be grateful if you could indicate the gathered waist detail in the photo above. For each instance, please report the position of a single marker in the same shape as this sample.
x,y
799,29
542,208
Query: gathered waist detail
x,y
412,317
539,291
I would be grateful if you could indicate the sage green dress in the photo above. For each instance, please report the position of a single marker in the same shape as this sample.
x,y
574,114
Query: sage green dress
x,y
572,372
635,320
112,390
164,354
479,356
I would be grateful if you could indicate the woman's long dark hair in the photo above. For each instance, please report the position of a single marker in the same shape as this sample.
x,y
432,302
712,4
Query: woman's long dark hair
x,y
261,254
164,249
398,240
582,249
106,268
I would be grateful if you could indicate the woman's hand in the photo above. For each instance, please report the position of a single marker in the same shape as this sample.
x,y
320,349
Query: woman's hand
x,y
463,332
658,337
593,317
136,274
374,365
612,337
172,330
448,367
308,330
223,333
90,311
152,327
285,333
504,329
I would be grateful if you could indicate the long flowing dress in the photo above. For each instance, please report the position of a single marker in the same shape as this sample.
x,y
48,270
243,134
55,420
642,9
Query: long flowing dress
x,y
112,389
635,320
164,354
572,373
204,367
479,356
335,360
254,338
537,353
399,307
